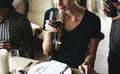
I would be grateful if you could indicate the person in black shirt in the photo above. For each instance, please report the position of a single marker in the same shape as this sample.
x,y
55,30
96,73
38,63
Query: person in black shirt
x,y
79,37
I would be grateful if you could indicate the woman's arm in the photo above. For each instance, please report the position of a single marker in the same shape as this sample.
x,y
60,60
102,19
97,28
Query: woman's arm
x,y
91,55
24,41
47,41
47,46
87,66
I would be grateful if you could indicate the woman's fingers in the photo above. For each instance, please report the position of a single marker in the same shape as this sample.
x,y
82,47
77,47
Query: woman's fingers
x,y
50,28
105,7
82,70
85,68
91,71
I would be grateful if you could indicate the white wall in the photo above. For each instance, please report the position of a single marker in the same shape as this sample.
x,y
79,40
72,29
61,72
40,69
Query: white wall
x,y
37,9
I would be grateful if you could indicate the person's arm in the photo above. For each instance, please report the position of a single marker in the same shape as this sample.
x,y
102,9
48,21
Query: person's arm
x,y
27,35
47,46
26,44
86,67
47,41
91,55
106,9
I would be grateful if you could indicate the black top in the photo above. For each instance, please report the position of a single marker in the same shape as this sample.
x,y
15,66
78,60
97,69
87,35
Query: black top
x,y
75,43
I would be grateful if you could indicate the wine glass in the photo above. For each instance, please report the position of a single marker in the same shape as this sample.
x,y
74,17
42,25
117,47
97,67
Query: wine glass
x,y
57,22
13,53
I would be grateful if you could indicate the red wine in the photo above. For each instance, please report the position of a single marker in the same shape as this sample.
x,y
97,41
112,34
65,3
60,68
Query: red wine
x,y
56,24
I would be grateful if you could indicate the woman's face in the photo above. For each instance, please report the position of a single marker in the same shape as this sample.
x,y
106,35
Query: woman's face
x,y
64,5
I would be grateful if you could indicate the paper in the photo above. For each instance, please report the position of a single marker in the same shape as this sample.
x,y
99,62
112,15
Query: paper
x,y
51,67
54,67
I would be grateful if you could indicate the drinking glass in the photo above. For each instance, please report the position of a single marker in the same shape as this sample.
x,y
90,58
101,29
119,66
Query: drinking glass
x,y
13,53
57,22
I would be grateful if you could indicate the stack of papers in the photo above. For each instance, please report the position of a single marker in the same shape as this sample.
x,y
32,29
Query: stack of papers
x,y
55,67
51,67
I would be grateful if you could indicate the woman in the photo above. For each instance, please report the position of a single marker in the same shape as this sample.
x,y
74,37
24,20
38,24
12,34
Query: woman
x,y
80,35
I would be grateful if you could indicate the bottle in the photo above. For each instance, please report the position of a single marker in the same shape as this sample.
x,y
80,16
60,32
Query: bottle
x,y
113,9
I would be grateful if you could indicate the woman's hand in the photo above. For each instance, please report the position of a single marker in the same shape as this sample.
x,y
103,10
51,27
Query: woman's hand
x,y
49,28
85,68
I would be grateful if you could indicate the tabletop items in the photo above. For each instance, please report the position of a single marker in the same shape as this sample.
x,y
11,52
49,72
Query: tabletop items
x,y
26,68
13,53
51,67
20,63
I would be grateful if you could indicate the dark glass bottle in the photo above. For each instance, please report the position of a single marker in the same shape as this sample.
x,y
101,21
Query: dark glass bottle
x,y
113,9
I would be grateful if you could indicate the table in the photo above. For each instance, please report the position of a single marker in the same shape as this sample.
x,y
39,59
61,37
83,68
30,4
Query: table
x,y
21,62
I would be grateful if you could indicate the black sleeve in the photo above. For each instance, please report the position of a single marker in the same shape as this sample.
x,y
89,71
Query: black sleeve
x,y
46,17
96,28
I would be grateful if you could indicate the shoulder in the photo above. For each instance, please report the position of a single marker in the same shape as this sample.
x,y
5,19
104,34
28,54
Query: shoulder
x,y
16,14
91,15
92,19
18,18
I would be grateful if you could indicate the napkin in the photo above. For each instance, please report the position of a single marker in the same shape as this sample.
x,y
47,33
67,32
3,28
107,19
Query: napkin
x,y
54,67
